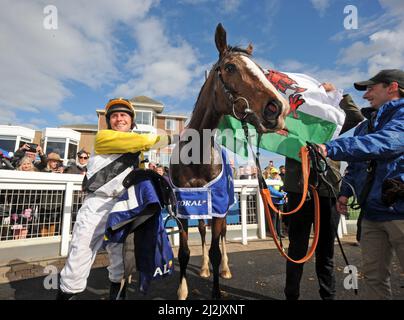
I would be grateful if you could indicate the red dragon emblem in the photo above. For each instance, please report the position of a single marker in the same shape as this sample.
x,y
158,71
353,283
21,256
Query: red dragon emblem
x,y
282,82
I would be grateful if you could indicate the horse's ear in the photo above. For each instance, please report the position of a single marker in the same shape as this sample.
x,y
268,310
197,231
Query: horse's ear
x,y
249,49
220,39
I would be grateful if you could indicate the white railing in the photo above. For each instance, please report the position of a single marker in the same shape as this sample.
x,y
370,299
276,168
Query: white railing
x,y
54,200
50,198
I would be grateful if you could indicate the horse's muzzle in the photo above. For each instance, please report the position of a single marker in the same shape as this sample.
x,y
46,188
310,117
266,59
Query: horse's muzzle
x,y
272,110
271,114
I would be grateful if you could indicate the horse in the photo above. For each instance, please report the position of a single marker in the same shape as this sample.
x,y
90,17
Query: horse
x,y
236,86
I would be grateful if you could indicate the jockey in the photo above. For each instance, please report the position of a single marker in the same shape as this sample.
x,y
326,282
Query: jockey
x,y
117,152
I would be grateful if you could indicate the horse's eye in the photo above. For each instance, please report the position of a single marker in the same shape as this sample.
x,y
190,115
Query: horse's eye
x,y
230,68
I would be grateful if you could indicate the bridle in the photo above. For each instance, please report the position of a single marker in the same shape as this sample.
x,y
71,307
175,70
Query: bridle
x,y
231,94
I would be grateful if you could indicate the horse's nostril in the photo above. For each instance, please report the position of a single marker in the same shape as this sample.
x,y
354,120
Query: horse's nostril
x,y
271,110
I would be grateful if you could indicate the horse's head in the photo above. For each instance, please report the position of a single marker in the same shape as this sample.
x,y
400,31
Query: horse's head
x,y
243,90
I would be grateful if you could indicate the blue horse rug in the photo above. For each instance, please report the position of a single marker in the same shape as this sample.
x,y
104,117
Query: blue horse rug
x,y
139,209
212,200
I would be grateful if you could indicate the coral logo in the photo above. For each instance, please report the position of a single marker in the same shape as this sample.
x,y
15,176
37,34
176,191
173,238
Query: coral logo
x,y
165,270
191,203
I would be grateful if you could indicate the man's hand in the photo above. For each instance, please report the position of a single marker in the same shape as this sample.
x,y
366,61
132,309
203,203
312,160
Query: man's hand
x,y
24,147
342,205
39,150
322,149
328,86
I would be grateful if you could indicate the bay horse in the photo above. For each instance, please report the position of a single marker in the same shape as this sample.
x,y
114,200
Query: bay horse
x,y
235,86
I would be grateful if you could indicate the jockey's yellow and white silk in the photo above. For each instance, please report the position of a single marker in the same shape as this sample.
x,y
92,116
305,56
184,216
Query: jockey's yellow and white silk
x,y
111,141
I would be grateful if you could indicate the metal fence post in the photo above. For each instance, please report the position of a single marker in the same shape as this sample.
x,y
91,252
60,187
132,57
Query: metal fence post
x,y
243,209
66,219
260,215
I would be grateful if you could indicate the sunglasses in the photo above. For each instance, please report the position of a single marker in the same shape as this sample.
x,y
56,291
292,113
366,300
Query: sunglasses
x,y
83,157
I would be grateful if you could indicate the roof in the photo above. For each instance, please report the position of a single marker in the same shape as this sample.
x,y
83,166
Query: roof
x,y
81,127
144,101
177,116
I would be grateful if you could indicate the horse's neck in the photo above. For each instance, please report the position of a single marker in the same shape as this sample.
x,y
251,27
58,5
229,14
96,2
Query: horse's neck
x,y
204,116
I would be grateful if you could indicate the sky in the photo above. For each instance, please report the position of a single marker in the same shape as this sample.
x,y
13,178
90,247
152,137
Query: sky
x,y
161,48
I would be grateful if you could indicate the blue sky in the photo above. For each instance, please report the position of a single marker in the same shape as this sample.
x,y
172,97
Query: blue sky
x,y
105,48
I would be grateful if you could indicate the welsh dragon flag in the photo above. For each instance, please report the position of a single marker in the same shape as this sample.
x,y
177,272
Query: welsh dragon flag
x,y
314,116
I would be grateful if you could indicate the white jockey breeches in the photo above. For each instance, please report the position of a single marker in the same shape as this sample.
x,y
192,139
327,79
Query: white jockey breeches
x,y
88,235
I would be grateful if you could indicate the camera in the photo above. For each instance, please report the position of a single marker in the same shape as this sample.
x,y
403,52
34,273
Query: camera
x,y
32,147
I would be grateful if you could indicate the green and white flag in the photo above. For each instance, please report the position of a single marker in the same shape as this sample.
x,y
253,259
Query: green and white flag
x,y
315,116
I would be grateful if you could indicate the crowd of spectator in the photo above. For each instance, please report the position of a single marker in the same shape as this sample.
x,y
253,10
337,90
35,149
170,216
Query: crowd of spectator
x,y
30,157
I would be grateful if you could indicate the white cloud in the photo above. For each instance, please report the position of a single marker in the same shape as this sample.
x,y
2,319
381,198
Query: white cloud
x,y
69,118
159,67
230,6
381,49
320,5
37,63
341,78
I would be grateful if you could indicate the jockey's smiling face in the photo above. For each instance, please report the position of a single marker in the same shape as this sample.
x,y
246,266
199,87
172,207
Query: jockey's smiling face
x,y
121,121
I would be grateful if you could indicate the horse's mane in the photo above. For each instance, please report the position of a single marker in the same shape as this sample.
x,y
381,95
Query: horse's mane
x,y
238,49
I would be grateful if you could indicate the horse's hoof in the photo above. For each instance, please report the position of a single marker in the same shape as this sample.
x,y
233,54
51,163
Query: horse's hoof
x,y
182,292
226,274
204,273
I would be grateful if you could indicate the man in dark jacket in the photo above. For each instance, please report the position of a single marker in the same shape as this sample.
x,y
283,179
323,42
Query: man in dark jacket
x,y
31,150
376,147
299,224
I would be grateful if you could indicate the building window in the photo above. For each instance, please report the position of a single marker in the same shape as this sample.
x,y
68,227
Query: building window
x,y
164,159
72,152
171,124
7,143
53,145
144,117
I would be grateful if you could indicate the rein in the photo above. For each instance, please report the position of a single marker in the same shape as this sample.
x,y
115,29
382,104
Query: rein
x,y
320,167
266,197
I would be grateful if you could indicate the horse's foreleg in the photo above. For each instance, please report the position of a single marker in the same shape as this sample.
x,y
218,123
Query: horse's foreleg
x,y
183,259
215,256
225,273
204,273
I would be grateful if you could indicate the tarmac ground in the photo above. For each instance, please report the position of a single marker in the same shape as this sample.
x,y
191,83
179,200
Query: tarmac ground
x,y
258,274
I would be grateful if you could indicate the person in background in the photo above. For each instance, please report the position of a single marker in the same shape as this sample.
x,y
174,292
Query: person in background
x,y
375,156
270,165
152,166
32,151
300,223
26,164
282,171
241,172
54,163
278,197
160,170
80,167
